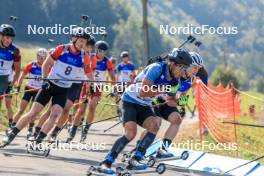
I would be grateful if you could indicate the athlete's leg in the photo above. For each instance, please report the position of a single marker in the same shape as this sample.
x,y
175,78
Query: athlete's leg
x,y
23,122
18,114
130,131
77,120
56,110
152,126
79,114
175,120
170,114
28,117
58,103
158,121
92,108
62,118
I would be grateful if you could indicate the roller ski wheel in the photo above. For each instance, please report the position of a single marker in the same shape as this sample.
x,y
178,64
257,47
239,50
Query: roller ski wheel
x,y
161,168
119,170
126,157
46,152
91,170
126,174
185,155
151,162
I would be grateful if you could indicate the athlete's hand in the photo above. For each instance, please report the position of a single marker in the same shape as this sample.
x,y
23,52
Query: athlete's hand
x,y
112,94
182,112
45,85
183,100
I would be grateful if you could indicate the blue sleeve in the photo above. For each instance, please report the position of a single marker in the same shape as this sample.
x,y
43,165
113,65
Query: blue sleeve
x,y
205,80
118,68
132,67
184,85
153,72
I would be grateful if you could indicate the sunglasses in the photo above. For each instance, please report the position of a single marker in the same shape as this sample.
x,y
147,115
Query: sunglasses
x,y
101,51
182,68
42,57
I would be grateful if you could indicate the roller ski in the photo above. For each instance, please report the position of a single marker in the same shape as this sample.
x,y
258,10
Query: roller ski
x,y
138,167
159,158
36,148
103,170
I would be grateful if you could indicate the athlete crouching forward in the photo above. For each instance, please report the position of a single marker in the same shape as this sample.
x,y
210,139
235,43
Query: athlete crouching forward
x,y
137,108
68,61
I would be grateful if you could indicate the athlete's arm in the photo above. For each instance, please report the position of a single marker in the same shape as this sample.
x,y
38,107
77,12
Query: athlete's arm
x,y
132,76
24,73
110,69
17,66
49,61
117,75
46,66
148,92
133,73
117,72
152,74
112,75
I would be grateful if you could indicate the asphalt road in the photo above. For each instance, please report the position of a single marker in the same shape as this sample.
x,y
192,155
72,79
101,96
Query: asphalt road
x,y
68,162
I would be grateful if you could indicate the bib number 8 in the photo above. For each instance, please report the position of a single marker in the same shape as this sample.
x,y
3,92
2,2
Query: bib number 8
x,y
68,70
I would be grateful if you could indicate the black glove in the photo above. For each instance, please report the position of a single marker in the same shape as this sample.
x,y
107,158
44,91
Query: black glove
x,y
160,99
9,90
182,112
17,88
45,85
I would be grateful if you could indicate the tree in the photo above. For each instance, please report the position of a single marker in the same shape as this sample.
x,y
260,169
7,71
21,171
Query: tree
x,y
258,84
225,76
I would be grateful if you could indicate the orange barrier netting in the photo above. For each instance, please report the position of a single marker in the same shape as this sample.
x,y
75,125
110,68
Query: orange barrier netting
x,y
217,104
